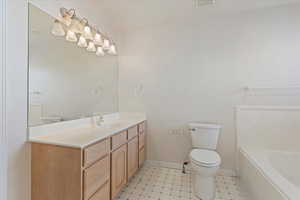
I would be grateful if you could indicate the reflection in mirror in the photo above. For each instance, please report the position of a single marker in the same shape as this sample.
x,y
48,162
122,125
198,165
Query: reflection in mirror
x,y
66,82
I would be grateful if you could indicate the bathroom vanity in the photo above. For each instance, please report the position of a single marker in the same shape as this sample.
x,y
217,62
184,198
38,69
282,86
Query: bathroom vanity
x,y
89,163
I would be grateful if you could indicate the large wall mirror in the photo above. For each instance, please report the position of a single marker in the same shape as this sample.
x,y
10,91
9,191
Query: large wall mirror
x,y
65,81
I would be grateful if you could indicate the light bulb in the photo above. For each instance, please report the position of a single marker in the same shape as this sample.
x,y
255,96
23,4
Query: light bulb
x,y
112,50
87,33
71,36
82,42
57,29
98,39
106,44
100,51
91,47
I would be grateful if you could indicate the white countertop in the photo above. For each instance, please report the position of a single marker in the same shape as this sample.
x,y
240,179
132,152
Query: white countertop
x,y
81,133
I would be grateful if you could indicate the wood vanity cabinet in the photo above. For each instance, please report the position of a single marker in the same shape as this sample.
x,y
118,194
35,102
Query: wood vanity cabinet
x,y
55,172
142,138
141,157
96,176
118,140
133,157
103,193
132,132
96,172
119,170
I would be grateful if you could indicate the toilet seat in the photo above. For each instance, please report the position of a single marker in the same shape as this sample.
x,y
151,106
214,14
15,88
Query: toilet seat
x,y
206,158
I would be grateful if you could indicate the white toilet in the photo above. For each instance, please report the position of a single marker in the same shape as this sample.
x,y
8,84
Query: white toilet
x,y
205,161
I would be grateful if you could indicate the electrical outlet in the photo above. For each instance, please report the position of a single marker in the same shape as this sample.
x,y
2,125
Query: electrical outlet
x,y
179,131
199,3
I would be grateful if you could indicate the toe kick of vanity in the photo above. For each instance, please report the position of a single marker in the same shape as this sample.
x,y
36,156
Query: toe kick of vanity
x,y
96,172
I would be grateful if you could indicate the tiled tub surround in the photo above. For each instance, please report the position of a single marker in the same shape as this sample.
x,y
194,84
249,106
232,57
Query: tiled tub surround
x,y
86,163
158,183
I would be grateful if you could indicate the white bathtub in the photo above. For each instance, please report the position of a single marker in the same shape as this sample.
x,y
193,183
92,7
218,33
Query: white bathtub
x,y
270,175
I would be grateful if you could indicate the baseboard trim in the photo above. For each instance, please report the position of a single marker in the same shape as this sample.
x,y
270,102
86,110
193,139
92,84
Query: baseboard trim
x,y
171,165
227,172
174,165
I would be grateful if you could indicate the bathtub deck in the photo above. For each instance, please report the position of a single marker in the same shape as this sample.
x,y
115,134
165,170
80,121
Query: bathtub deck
x,y
153,183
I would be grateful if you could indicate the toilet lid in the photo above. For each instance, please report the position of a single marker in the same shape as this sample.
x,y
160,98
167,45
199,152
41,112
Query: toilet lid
x,y
205,157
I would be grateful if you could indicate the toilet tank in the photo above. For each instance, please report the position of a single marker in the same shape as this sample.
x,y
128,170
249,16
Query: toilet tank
x,y
204,135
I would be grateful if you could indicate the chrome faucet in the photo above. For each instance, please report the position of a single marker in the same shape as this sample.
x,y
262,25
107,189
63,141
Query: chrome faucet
x,y
100,120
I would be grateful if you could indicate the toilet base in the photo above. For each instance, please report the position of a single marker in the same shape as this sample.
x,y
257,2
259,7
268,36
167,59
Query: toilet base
x,y
203,180
204,187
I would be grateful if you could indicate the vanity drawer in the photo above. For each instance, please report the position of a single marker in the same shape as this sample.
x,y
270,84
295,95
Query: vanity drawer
x,y
141,139
132,132
103,193
95,177
142,127
96,152
119,139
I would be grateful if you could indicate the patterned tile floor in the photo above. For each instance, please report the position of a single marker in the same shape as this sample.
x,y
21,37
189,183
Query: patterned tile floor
x,y
153,183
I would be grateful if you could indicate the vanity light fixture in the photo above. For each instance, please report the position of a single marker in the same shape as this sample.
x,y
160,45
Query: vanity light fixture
x,y
112,50
71,36
66,16
91,47
78,25
82,42
100,51
73,27
87,33
98,39
57,29
106,44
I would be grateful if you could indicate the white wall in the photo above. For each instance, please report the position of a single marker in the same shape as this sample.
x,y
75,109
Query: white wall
x,y
3,156
180,72
65,79
18,185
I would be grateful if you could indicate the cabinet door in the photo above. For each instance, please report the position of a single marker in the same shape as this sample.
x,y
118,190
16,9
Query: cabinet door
x,y
95,177
133,157
119,169
103,193
141,156
141,140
